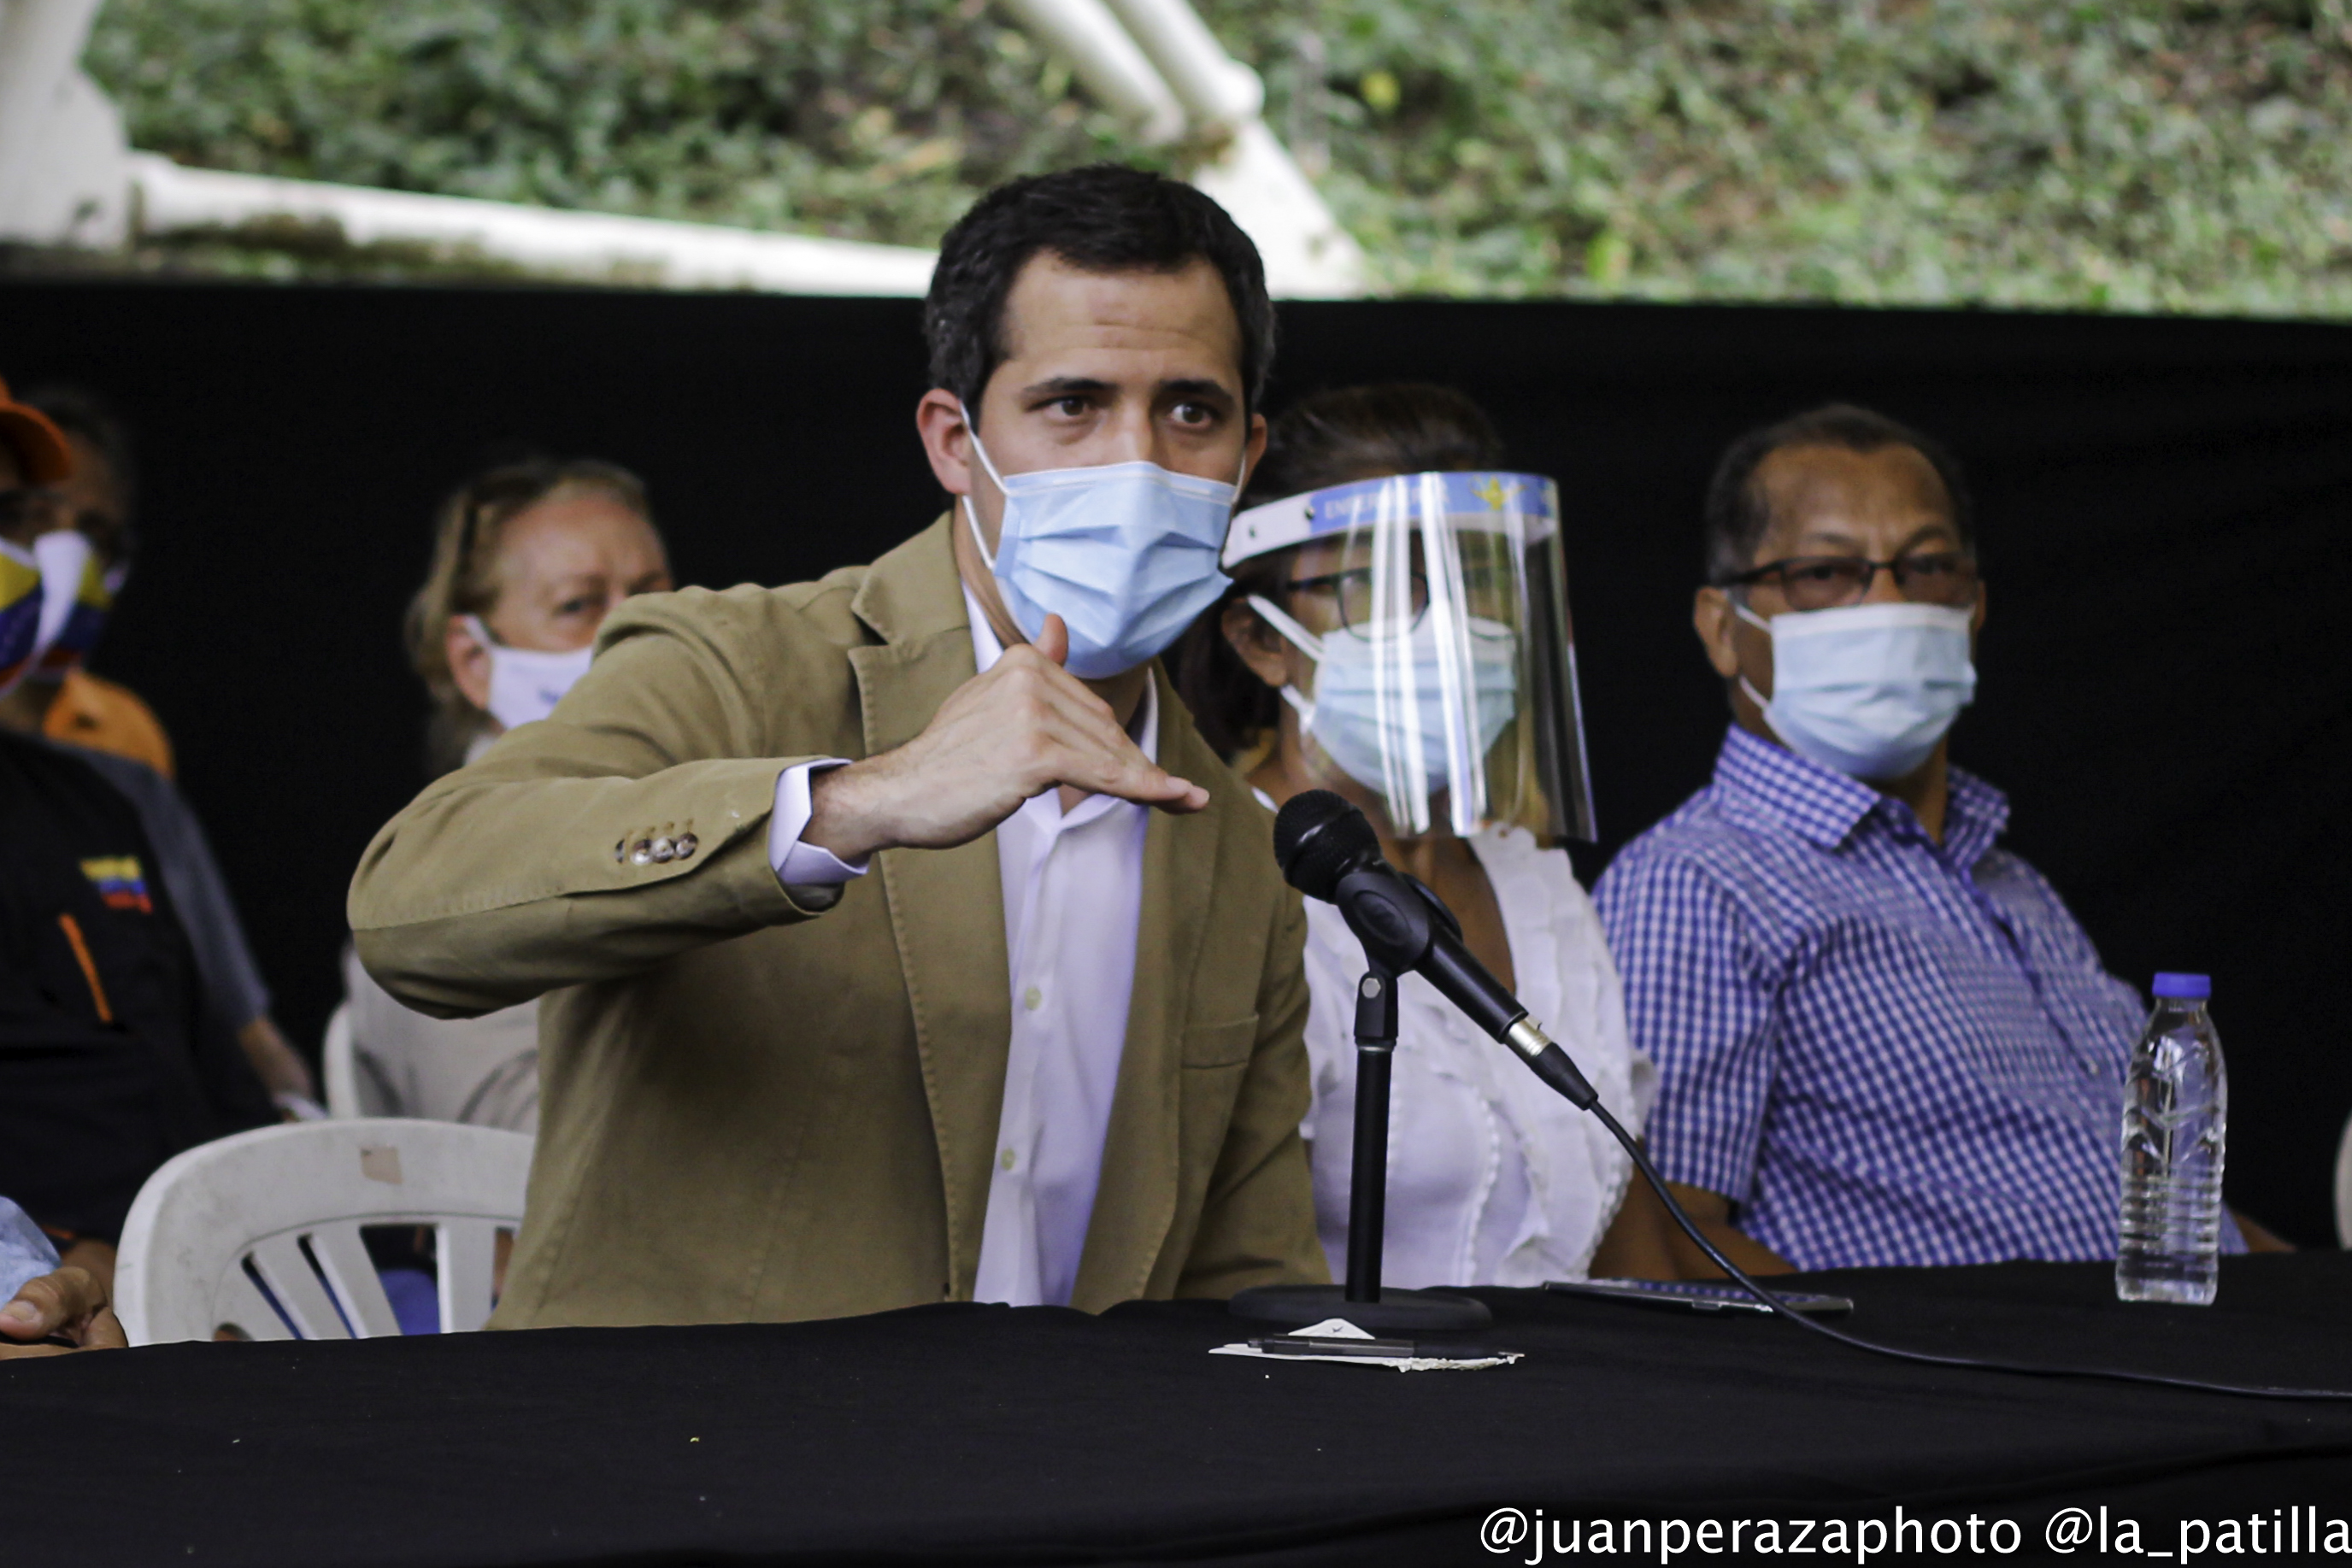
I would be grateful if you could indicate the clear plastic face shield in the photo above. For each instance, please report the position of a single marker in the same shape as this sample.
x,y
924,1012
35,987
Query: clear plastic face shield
x,y
1432,613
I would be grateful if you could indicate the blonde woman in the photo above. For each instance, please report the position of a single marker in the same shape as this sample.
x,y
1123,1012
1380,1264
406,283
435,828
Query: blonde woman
x,y
528,560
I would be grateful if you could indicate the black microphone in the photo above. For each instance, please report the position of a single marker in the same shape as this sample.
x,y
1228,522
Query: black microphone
x,y
1327,850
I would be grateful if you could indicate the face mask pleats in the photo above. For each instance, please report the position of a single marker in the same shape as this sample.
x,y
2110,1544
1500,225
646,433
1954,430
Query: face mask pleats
x,y
1867,690
527,683
1124,553
1410,716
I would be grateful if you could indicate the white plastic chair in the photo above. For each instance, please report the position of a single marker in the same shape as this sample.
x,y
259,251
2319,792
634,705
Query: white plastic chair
x,y
285,1206
2344,1189
340,1067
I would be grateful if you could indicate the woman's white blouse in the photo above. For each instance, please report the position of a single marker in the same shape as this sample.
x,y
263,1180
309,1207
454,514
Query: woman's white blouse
x,y
1493,1178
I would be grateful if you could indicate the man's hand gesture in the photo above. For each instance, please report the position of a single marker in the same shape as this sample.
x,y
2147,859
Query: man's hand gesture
x,y
1027,726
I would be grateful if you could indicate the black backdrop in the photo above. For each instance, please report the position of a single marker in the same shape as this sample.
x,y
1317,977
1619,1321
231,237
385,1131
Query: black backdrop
x,y
2166,693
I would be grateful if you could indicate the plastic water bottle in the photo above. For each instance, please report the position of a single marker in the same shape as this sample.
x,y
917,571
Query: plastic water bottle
x,y
2176,1132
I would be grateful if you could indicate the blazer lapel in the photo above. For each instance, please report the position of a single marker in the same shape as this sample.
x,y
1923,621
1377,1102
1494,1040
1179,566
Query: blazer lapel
x,y
947,906
1135,1203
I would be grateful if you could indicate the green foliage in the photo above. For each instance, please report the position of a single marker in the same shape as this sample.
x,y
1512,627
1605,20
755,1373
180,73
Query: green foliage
x,y
2139,155
874,119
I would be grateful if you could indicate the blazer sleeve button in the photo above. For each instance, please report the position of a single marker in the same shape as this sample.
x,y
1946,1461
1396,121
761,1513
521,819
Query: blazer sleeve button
x,y
685,844
641,853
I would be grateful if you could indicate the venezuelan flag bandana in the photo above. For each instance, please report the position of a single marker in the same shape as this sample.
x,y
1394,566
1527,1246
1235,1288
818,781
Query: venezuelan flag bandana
x,y
20,613
75,599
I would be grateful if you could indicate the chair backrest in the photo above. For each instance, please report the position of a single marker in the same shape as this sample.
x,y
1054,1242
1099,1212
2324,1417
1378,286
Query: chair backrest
x,y
339,1065
222,1232
2344,1189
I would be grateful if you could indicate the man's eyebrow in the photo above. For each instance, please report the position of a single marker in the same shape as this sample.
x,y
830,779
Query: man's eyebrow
x,y
1833,536
1926,531
1198,387
1066,386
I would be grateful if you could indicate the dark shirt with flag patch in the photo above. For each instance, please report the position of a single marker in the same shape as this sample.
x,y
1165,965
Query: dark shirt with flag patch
x,y
109,1061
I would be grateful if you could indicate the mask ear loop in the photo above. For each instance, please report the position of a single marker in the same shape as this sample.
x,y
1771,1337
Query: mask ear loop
x,y
1306,642
971,515
1763,704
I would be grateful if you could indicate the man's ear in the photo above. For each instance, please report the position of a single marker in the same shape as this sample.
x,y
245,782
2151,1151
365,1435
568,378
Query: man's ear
x,y
1976,619
1257,644
1712,618
947,440
1256,448
469,662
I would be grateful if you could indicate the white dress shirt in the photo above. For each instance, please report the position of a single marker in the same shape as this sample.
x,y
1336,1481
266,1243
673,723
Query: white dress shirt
x,y
1072,887
1493,1179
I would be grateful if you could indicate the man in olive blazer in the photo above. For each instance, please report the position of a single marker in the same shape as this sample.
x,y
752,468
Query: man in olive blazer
x,y
763,1101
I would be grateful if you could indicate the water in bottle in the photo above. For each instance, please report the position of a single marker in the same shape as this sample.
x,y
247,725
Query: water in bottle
x,y
2176,1131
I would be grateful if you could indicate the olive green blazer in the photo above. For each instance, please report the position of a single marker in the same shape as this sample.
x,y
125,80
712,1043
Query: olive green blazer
x,y
763,1103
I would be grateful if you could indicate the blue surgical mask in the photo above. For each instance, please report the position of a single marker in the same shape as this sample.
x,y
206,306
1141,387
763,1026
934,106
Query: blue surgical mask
x,y
1124,553
1363,719
1866,689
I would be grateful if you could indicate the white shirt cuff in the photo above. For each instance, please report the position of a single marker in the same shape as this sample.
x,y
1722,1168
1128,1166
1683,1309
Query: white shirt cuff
x,y
797,864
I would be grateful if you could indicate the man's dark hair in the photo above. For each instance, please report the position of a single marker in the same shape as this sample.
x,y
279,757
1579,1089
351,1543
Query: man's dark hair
x,y
82,413
1105,217
1738,514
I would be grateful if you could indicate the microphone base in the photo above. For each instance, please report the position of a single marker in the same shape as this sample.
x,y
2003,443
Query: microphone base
x,y
1412,1311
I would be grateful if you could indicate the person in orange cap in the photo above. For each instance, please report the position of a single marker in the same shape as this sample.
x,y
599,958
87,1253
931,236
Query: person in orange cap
x,y
81,521
33,451
64,528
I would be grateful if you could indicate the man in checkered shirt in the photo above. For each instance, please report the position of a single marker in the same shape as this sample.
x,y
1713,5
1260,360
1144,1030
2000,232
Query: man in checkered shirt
x,y
1881,1037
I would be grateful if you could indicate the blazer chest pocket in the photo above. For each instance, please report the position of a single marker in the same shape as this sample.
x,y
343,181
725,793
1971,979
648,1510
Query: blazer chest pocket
x,y
1220,1044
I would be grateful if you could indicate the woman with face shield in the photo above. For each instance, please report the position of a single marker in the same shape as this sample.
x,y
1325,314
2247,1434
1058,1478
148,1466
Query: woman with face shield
x,y
1398,632
528,560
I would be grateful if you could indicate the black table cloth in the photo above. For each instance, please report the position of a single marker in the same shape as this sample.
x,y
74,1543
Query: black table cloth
x,y
985,1434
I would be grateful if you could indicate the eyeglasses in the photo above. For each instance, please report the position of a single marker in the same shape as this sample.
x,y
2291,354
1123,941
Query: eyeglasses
x,y
1829,581
1488,590
1352,599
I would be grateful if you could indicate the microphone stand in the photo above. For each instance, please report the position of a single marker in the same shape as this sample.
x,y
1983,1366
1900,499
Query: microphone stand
x,y
1362,1301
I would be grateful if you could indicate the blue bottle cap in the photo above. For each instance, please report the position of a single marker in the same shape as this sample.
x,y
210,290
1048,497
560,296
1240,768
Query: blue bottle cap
x,y
2184,988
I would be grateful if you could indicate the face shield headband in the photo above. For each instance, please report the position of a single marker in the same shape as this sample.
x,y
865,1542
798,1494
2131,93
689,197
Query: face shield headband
x,y
1434,607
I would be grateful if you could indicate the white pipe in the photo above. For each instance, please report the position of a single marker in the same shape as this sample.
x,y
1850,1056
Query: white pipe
x,y
590,247
40,41
1214,88
1107,62
1307,255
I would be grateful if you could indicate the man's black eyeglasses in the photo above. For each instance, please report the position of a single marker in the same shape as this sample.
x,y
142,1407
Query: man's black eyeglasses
x,y
1831,581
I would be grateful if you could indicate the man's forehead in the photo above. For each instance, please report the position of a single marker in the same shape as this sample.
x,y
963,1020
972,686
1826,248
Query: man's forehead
x,y
1184,319
1820,482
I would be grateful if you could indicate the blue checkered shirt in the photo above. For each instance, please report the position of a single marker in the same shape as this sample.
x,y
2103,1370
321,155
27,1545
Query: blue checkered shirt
x,y
1883,1049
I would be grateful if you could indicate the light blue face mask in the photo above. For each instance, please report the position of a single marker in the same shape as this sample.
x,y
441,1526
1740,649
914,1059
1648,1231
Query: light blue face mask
x,y
1124,553
1866,689
1375,726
